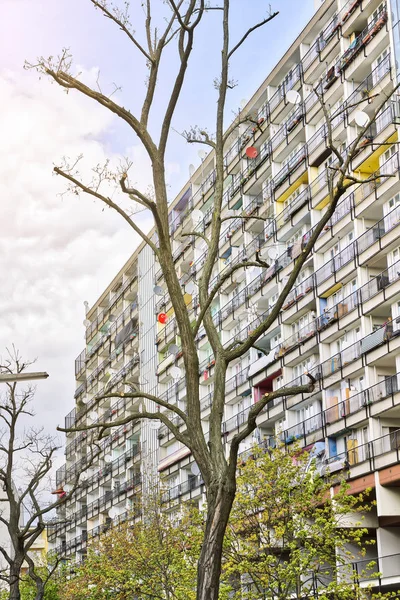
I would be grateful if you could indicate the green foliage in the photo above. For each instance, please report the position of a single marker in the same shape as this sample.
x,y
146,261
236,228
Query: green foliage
x,y
28,587
153,559
291,532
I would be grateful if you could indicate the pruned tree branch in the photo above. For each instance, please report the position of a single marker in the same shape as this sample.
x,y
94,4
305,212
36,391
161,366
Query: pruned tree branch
x,y
109,203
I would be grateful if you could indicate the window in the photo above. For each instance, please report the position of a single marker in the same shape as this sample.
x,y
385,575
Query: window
x,y
293,197
377,13
388,161
266,188
272,300
380,66
392,212
334,250
276,340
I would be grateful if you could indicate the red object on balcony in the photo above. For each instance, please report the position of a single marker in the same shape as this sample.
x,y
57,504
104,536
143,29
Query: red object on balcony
x,y
251,152
162,318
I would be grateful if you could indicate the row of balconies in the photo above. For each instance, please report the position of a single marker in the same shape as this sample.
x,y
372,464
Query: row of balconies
x,y
108,470
381,283
72,545
314,189
326,369
64,475
75,414
268,108
340,412
106,312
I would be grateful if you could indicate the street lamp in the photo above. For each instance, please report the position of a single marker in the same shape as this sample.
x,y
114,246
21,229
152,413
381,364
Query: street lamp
x,y
14,377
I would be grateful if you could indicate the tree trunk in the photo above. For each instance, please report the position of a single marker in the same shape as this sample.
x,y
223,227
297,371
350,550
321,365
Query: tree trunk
x,y
39,591
219,504
15,570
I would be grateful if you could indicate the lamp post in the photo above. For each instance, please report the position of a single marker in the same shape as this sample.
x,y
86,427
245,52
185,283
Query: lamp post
x,y
15,377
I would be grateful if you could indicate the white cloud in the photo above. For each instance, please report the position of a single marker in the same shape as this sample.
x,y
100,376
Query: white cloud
x,y
55,252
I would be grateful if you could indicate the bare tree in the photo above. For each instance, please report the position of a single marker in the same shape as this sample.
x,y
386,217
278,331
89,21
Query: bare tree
x,y
180,28
26,460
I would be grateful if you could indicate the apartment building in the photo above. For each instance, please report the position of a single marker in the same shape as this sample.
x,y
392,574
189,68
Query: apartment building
x,y
340,322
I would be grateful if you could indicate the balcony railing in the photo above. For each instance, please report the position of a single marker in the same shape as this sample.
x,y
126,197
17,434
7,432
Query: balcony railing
x,y
302,429
362,40
182,488
356,402
292,166
321,42
287,128
280,93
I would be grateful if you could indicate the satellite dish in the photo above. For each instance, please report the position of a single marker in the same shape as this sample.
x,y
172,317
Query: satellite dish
x,y
175,372
67,487
173,349
293,97
192,169
361,118
190,288
197,215
108,458
85,400
86,322
154,424
93,415
195,469
113,512
157,289
84,476
112,318
251,152
202,154
273,253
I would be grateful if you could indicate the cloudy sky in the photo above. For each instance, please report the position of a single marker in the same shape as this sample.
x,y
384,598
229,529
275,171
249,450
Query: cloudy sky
x,y
56,251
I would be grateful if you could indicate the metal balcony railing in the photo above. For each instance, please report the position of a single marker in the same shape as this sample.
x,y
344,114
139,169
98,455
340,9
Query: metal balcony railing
x,y
290,168
288,127
280,93
362,40
320,43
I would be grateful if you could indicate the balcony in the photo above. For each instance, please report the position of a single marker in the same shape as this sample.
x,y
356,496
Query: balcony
x,y
80,365
353,19
293,174
379,236
361,401
383,130
360,43
288,134
189,488
278,104
321,50
302,430
364,91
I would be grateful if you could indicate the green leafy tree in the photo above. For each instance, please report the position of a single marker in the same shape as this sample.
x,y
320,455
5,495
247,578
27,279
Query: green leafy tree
x,y
293,533
155,558
28,588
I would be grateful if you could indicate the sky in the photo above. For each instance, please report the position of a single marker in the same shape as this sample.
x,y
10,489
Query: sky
x,y
58,250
